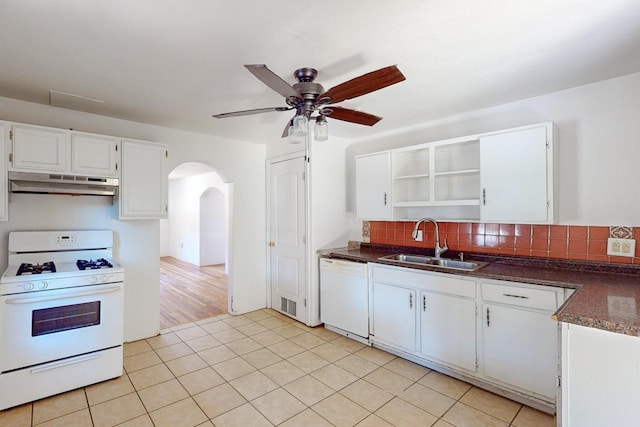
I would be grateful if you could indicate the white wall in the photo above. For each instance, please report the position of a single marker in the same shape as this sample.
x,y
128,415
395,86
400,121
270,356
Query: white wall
x,y
184,214
332,225
137,242
165,246
213,227
598,137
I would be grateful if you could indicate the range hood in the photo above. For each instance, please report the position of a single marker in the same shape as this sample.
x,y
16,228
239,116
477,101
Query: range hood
x,y
45,183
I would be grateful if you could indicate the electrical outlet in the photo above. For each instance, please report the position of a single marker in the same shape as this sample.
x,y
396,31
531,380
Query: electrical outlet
x,y
419,236
621,247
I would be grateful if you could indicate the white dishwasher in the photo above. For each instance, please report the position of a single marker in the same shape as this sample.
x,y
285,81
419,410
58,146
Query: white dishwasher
x,y
344,298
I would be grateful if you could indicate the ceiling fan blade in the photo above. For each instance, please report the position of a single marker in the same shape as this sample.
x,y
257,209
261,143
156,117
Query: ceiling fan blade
x,y
353,116
249,112
285,133
364,84
272,80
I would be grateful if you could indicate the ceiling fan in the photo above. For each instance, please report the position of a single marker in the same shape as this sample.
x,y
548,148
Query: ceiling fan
x,y
307,98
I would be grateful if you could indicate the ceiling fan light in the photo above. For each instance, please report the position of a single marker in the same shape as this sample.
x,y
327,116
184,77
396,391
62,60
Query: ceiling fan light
x,y
321,130
299,129
300,125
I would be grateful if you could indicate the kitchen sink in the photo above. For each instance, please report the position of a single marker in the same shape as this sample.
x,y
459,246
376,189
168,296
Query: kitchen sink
x,y
415,259
444,263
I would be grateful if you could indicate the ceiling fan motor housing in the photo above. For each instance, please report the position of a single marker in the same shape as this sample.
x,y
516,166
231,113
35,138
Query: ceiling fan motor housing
x,y
307,89
305,74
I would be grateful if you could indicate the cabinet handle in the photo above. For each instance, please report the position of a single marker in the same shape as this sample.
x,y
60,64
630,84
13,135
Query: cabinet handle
x,y
424,303
488,320
410,300
484,196
385,198
515,296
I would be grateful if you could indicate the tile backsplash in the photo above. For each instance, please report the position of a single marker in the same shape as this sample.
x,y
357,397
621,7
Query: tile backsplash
x,y
577,242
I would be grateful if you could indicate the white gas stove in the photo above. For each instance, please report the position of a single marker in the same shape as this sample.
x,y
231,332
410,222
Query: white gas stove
x,y
61,313
41,260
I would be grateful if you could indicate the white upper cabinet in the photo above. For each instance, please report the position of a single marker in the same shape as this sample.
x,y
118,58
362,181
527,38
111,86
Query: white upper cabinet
x,y
517,175
4,185
373,186
504,176
144,182
94,155
51,150
38,149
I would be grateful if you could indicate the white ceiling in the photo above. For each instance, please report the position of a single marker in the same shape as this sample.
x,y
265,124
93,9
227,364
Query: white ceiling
x,y
176,62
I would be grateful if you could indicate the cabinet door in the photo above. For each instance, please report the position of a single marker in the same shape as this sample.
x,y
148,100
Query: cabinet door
x,y
373,186
394,315
448,329
520,348
143,187
513,177
4,185
94,155
39,149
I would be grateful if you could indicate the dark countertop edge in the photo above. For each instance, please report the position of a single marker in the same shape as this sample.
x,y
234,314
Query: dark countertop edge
x,y
586,266
365,252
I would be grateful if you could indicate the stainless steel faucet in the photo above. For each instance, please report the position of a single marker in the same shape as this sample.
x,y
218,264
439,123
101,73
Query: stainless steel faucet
x,y
438,250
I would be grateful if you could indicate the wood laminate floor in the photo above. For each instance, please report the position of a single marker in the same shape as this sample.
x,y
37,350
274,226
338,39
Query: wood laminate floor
x,y
189,293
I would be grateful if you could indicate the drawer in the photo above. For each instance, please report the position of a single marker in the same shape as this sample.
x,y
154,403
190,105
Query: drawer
x,y
541,298
418,279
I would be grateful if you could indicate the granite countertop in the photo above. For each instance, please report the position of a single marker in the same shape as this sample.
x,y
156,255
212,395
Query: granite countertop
x,y
607,296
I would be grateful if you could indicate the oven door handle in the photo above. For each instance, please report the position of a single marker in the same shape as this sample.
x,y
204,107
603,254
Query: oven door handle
x,y
65,296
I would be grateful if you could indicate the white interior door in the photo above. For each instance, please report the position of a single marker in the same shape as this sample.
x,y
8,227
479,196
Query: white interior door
x,y
287,240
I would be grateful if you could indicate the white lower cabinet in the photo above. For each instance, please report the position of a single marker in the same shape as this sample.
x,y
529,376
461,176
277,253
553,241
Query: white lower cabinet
x,y
394,315
521,349
430,314
489,332
519,337
448,329
600,377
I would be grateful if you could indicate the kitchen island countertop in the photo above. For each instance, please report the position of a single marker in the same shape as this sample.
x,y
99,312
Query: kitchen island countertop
x,y
607,296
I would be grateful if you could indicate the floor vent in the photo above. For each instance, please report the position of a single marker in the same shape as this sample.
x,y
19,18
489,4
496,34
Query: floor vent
x,y
288,306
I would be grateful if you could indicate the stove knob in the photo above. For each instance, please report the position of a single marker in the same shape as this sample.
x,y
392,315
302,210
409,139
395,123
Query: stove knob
x,y
104,278
93,279
43,285
27,286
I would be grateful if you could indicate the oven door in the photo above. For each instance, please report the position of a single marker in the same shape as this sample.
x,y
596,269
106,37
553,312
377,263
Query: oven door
x,y
44,326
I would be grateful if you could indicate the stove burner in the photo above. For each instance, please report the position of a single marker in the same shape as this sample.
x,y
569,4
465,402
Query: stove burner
x,y
28,268
93,265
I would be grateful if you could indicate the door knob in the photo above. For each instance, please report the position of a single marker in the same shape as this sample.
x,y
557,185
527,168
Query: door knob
x,y
272,244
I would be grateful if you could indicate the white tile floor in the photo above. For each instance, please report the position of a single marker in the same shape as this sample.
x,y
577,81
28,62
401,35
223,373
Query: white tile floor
x,y
263,369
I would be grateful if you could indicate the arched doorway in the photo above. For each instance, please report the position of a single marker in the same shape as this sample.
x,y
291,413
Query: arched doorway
x,y
194,246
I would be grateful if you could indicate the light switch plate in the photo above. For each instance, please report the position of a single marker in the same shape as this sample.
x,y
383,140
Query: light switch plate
x,y
621,247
